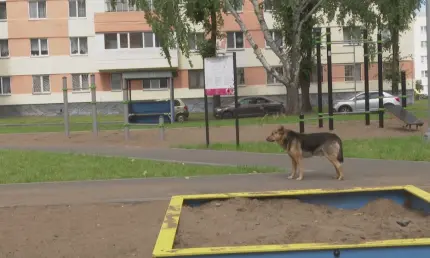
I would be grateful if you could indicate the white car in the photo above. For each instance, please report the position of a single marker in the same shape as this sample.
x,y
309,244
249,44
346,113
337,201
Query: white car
x,y
356,103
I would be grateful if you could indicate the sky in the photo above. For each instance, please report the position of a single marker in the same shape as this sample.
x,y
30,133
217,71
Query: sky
x,y
422,11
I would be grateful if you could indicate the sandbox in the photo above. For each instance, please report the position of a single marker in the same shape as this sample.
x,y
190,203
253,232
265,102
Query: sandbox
x,y
388,221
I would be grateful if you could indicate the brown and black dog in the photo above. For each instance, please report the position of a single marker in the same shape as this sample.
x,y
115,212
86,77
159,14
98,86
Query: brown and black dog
x,y
299,146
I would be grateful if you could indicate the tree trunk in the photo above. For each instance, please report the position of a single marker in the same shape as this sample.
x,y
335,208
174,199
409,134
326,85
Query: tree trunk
x,y
305,97
395,62
305,77
292,105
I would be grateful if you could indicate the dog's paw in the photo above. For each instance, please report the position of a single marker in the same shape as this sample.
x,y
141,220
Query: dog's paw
x,y
299,178
340,178
290,177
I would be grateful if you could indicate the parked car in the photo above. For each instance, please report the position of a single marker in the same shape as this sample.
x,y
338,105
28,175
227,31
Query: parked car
x,y
356,103
181,111
250,107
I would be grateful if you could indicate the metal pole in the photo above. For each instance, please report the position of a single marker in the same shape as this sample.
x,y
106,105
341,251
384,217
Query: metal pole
x,y
302,123
380,81
94,104
66,107
126,102
319,78
172,101
427,135
366,77
329,81
403,85
206,107
236,102
355,73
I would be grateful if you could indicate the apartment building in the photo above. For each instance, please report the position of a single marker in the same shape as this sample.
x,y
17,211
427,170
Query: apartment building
x,y
420,53
43,40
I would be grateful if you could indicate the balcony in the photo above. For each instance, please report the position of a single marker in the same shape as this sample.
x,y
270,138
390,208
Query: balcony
x,y
129,51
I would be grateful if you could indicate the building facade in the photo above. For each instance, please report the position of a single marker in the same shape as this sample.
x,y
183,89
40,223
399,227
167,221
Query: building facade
x,y
43,40
420,53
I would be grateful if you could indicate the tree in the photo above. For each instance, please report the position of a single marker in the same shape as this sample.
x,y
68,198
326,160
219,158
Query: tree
x,y
295,13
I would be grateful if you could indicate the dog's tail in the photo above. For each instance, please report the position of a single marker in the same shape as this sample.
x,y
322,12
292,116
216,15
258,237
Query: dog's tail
x,y
340,153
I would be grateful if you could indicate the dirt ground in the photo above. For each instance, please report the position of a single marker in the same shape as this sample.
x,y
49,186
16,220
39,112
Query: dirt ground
x,y
178,136
99,230
244,221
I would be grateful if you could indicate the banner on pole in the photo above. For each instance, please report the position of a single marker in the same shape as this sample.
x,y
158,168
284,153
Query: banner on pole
x,y
219,75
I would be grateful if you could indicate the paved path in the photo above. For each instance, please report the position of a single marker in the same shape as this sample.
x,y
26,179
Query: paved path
x,y
358,172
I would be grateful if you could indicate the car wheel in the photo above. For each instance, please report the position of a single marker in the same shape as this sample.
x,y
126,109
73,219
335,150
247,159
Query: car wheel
x,y
388,105
227,115
180,118
345,109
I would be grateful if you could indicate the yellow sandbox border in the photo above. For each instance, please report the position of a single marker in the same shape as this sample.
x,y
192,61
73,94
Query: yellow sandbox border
x,y
166,237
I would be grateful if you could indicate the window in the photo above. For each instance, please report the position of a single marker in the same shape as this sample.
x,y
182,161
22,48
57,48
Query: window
x,y
78,46
77,8
3,11
424,73
351,35
39,47
151,39
37,9
248,101
111,41
314,74
116,81
194,39
423,59
271,79
5,86
235,40
277,37
374,95
155,83
237,5
120,6
41,84
423,29
352,72
268,5
240,74
4,48
80,82
196,79
261,101
424,44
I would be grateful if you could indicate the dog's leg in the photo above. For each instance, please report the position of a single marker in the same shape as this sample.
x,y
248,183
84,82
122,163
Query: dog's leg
x,y
337,165
294,163
299,167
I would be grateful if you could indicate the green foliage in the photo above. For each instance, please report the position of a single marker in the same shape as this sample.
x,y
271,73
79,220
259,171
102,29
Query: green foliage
x,y
419,85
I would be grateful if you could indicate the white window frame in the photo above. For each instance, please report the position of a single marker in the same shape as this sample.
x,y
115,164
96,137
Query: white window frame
x,y
424,73
273,33
350,78
423,59
80,89
280,70
77,7
40,47
1,86
42,91
264,6
196,71
5,7
155,79
8,51
350,30
38,14
195,38
118,41
424,44
124,3
120,82
235,43
423,29
153,40
244,76
79,46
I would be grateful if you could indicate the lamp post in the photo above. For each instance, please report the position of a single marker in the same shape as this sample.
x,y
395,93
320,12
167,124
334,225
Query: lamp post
x,y
427,135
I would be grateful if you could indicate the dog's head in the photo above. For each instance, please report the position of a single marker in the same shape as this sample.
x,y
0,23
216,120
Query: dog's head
x,y
277,135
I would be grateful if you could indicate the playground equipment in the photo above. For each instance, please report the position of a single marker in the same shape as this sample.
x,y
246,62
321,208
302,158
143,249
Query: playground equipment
x,y
93,102
409,196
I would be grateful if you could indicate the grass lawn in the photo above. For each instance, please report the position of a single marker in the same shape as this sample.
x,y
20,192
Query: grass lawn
x,y
402,148
115,122
34,166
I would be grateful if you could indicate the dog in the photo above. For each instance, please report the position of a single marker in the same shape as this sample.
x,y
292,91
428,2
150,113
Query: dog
x,y
299,146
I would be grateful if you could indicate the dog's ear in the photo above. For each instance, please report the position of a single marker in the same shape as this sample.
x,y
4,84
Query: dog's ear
x,y
281,128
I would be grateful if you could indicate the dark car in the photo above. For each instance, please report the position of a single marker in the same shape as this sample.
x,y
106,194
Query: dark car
x,y
250,107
